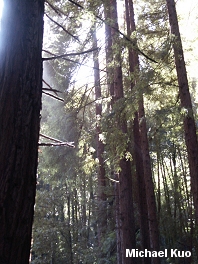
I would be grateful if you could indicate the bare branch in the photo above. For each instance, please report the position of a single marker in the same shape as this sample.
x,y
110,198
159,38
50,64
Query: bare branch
x,y
53,90
56,9
76,38
69,54
77,62
51,138
50,88
115,28
58,142
53,96
78,5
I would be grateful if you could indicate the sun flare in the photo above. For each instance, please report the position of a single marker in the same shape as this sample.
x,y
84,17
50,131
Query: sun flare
x,y
1,8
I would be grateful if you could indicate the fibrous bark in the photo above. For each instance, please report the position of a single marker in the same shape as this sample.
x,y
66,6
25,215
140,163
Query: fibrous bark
x,y
20,103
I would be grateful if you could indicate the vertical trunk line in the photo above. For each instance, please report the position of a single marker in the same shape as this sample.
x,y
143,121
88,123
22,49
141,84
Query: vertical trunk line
x,y
125,221
150,209
102,209
186,104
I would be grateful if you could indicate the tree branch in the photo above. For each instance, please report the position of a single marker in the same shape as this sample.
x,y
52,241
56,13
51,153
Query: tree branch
x,y
56,9
76,38
115,28
50,88
77,62
78,5
53,96
57,142
69,54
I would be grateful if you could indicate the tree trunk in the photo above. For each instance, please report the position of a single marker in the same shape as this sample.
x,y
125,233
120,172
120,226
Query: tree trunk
x,y
151,202
186,104
142,199
110,86
20,103
143,154
109,54
126,211
102,210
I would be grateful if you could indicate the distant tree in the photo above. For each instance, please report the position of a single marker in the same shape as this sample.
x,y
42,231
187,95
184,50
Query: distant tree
x,y
20,104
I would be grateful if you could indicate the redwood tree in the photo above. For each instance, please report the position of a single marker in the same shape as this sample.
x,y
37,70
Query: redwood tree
x,y
20,103
125,212
142,155
102,213
186,104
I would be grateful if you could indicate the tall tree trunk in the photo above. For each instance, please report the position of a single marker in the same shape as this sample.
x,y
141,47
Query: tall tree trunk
x,y
20,103
102,210
142,199
126,212
68,225
143,155
109,53
148,179
186,104
110,85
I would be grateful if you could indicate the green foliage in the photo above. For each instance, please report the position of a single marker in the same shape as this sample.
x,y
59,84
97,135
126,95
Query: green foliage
x,y
67,215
